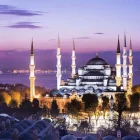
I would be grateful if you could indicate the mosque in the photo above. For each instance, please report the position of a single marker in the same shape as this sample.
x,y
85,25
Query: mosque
x,y
96,76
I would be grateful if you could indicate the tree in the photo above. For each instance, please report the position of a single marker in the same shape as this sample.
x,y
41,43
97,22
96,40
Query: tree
x,y
26,103
136,89
134,102
15,96
6,97
54,109
74,107
45,111
13,103
91,104
120,105
127,128
1,98
105,104
83,126
35,103
40,90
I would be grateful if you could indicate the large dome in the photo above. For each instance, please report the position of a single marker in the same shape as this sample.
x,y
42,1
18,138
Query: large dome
x,y
97,61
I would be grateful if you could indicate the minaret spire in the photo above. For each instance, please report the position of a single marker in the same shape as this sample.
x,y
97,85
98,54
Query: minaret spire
x,y
73,57
32,47
58,75
58,41
73,44
118,46
32,74
118,66
130,64
130,44
124,40
124,65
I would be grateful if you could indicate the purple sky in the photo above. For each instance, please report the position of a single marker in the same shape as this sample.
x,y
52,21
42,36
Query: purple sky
x,y
95,25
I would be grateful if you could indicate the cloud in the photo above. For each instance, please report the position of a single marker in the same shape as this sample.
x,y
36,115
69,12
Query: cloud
x,y
11,10
99,33
27,25
83,37
52,40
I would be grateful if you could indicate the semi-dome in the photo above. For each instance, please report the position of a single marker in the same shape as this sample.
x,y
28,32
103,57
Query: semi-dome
x,y
39,126
97,61
29,123
112,81
82,90
55,92
109,138
5,135
129,138
26,136
48,137
91,88
24,125
68,137
89,138
98,91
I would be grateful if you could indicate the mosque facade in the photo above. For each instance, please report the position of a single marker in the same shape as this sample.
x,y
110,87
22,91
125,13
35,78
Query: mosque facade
x,y
97,76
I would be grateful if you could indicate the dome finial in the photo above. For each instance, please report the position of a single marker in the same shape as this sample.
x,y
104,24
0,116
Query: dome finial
x,y
97,55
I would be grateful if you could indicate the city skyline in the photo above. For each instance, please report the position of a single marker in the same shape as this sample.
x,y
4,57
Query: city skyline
x,y
93,24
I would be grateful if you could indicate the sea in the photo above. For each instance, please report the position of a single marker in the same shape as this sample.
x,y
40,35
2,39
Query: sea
x,y
43,80
47,80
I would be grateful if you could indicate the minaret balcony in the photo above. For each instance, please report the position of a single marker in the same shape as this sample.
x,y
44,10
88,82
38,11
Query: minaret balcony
x,y
58,56
58,66
32,77
125,56
32,66
73,57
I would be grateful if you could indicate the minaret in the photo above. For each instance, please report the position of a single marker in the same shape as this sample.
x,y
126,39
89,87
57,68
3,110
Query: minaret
x,y
32,75
130,63
124,65
58,56
73,66
118,66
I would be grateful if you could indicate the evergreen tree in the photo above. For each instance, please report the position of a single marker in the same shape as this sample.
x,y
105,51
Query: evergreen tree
x,y
105,104
120,105
1,98
91,104
35,103
134,102
74,107
26,103
54,109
